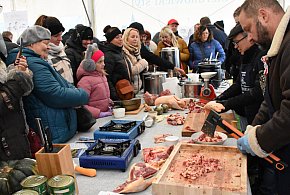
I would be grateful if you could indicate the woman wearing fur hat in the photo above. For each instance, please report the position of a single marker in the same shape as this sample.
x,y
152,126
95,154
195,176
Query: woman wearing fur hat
x,y
15,82
92,78
76,45
115,60
53,99
132,46
56,55
168,39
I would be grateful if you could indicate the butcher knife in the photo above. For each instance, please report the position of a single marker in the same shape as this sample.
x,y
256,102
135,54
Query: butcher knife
x,y
214,119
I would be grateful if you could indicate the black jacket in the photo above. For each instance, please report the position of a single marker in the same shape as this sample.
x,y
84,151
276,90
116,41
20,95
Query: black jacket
x,y
218,35
246,95
12,121
9,44
151,58
115,66
75,52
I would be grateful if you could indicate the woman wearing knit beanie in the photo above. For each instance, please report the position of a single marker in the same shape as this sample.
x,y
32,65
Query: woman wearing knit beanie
x,y
92,78
76,46
116,64
53,99
56,55
132,46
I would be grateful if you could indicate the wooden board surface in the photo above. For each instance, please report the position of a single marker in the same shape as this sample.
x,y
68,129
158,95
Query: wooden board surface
x,y
134,112
195,122
231,179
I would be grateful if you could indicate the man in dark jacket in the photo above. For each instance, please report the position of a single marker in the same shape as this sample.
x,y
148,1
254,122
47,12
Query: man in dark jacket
x,y
8,36
218,35
268,25
76,45
245,95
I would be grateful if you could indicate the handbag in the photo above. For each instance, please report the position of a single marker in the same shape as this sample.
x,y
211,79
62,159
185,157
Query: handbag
x,y
124,89
85,119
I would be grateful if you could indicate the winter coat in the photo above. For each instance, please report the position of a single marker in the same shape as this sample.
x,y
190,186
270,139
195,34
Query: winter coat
x,y
137,66
96,85
245,95
183,52
75,52
218,35
58,59
9,44
197,49
53,99
115,66
152,58
13,128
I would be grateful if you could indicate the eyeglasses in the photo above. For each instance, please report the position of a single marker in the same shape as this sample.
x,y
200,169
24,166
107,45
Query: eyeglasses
x,y
237,42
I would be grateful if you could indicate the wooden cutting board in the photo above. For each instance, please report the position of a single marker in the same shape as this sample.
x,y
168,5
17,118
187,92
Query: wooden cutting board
x,y
135,112
230,179
195,121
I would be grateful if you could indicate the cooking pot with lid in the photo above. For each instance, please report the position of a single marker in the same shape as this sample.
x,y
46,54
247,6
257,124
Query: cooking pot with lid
x,y
152,81
171,54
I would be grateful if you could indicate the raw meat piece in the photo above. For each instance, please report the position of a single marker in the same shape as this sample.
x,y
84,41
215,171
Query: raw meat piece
x,y
136,185
175,119
204,138
172,101
161,138
165,93
141,169
156,156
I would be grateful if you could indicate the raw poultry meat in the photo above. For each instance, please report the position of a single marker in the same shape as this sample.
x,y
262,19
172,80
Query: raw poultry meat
x,y
172,101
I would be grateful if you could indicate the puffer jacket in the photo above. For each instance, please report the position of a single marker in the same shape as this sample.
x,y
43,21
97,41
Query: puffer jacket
x,y
94,83
53,99
183,49
13,129
115,66
209,47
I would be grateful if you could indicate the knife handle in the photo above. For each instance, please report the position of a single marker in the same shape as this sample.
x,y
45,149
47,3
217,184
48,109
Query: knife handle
x,y
273,159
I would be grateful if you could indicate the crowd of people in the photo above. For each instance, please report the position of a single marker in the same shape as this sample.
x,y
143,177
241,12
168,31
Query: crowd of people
x,y
48,76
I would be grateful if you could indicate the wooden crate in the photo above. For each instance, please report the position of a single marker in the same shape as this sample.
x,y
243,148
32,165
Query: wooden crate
x,y
196,120
232,179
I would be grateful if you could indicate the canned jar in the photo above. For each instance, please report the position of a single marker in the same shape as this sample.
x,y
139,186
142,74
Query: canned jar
x,y
26,192
36,183
61,184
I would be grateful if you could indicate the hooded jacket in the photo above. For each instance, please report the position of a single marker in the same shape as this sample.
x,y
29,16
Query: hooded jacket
x,y
53,99
94,83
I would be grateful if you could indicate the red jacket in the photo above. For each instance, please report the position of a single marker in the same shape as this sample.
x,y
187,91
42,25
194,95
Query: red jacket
x,y
96,85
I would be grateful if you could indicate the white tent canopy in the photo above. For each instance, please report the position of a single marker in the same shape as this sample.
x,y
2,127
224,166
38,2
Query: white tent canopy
x,y
153,14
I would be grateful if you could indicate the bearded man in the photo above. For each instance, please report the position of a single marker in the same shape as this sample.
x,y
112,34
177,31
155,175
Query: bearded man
x,y
267,24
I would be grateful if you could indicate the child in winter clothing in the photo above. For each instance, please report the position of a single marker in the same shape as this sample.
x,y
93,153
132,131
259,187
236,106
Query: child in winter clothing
x,y
92,78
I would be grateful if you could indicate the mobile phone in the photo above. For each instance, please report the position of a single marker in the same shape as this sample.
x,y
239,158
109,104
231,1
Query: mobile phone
x,y
20,47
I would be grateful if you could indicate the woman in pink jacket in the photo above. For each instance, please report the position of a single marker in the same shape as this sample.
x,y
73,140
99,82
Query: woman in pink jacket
x,y
92,78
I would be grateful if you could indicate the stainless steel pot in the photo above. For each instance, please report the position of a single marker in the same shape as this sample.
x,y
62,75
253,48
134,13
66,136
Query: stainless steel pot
x,y
190,89
171,54
152,82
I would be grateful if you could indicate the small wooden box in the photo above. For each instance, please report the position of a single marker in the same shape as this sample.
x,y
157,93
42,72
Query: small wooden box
x,y
58,162
55,163
231,179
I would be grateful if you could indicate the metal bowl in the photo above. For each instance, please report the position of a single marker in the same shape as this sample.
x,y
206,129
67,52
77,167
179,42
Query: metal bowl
x,y
132,104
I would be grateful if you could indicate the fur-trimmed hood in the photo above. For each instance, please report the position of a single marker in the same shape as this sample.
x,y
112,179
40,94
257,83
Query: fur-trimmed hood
x,y
279,34
3,72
